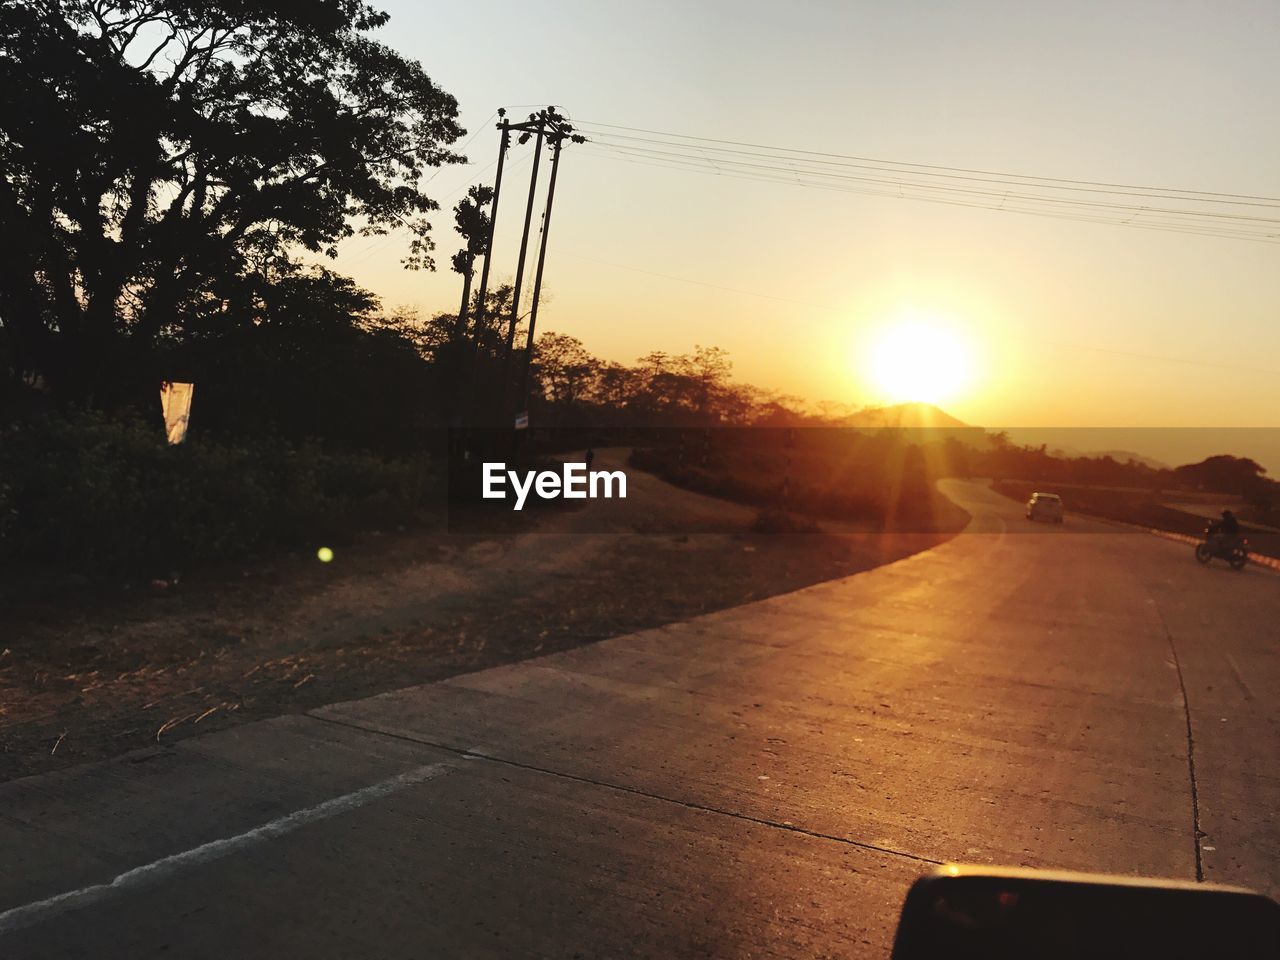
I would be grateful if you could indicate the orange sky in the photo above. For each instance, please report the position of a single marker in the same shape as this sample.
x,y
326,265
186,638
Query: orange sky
x,y
1065,323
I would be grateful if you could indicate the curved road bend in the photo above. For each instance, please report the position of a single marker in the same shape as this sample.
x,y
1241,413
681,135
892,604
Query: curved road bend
x,y
764,781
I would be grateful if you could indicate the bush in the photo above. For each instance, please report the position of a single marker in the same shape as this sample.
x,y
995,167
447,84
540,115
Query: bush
x,y
92,494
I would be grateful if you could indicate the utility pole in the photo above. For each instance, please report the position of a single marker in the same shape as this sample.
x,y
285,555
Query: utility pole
x,y
540,126
505,127
552,128
556,141
482,308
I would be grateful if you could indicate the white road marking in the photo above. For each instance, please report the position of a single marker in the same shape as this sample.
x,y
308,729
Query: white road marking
x,y
27,914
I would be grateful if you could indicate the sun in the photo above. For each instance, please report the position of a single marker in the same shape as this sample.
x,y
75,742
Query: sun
x,y
918,361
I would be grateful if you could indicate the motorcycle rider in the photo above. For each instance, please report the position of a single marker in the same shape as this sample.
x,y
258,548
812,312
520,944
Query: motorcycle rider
x,y
1223,533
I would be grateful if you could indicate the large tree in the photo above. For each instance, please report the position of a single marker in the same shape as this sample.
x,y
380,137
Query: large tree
x,y
155,153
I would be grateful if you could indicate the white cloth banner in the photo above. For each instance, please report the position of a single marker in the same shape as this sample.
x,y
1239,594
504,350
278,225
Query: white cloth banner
x,y
175,400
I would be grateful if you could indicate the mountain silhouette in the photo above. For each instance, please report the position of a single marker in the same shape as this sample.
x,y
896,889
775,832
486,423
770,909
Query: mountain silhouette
x,y
907,416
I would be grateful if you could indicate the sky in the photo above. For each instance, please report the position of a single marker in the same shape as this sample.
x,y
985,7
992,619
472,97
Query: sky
x,y
1054,322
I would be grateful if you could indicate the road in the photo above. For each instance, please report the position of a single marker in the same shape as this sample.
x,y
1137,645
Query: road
x,y
763,781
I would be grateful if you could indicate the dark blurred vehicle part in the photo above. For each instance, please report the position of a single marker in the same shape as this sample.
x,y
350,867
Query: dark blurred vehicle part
x,y
999,913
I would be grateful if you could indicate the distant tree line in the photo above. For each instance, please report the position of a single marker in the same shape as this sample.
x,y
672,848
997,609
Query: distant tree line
x,y
1222,473
659,389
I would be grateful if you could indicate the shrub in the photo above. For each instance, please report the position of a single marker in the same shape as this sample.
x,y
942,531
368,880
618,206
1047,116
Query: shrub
x,y
91,494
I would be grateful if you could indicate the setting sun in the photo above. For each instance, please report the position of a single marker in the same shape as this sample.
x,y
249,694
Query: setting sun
x,y
918,361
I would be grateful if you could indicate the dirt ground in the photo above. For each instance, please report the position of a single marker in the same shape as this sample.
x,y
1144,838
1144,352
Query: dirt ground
x,y
86,677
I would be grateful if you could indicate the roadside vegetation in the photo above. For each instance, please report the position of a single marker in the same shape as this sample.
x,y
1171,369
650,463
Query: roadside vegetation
x,y
108,495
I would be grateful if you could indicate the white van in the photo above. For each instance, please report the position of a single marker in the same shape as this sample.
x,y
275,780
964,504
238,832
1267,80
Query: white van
x,y
1045,506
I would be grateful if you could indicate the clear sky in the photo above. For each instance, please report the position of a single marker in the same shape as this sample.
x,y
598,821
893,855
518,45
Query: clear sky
x,y
1177,94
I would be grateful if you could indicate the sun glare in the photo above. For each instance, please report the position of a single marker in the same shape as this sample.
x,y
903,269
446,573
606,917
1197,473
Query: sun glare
x,y
919,361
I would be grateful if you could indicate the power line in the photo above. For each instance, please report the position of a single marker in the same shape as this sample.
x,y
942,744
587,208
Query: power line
x,y
929,166
1151,221
1008,201
685,156
1203,213
1012,189
463,148
816,165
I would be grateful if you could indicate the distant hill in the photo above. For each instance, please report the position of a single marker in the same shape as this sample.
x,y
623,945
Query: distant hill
x,y
907,416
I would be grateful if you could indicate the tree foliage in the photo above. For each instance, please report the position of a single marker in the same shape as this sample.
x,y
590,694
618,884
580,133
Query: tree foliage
x,y
473,223
163,160
572,387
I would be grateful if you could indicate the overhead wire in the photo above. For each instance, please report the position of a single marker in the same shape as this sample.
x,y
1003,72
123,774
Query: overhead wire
x,y
686,157
463,149
1153,220
1196,212
794,150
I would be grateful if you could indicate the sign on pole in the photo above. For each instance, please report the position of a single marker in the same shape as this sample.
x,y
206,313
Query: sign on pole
x,y
175,401
522,420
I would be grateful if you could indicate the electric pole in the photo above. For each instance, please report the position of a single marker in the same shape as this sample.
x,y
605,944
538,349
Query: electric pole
x,y
550,127
505,127
540,127
556,140
482,307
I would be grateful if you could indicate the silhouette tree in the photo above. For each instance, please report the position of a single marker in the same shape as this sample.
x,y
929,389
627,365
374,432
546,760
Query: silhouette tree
x,y
564,368
709,369
1226,474
151,149
314,359
472,222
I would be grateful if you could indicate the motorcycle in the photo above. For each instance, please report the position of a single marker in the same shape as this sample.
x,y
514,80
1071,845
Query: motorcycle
x,y
1234,550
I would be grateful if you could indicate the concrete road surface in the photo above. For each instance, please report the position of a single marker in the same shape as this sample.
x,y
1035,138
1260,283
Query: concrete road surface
x,y
764,781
